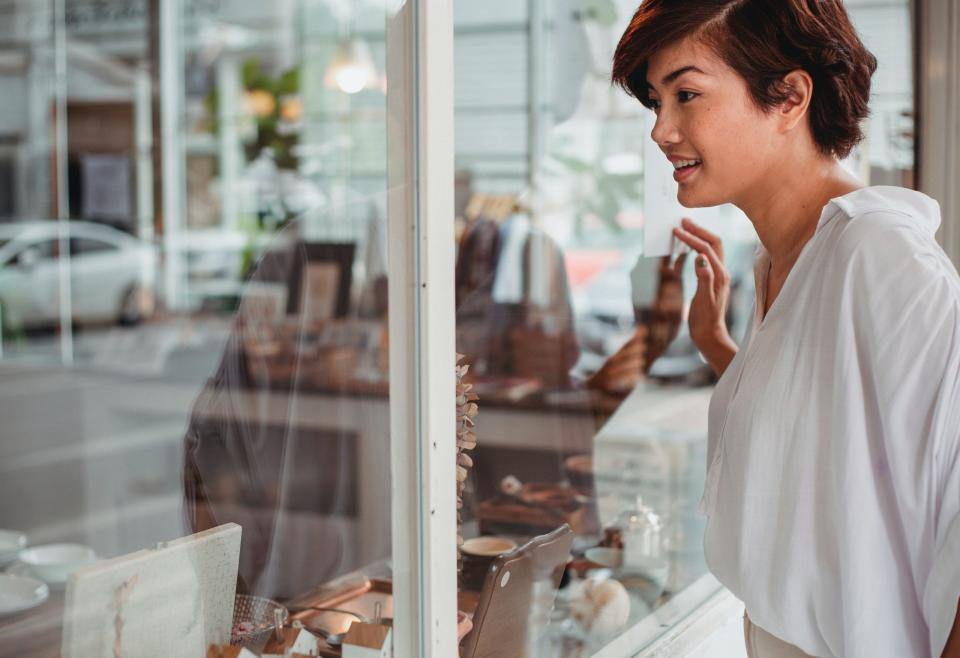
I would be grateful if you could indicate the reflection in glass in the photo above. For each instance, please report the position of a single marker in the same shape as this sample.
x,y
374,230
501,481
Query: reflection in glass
x,y
193,376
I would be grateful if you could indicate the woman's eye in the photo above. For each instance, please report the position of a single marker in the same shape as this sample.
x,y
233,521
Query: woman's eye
x,y
686,96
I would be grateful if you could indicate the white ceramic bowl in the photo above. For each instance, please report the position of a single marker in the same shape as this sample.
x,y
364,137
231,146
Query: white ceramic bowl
x,y
605,557
52,563
654,569
11,543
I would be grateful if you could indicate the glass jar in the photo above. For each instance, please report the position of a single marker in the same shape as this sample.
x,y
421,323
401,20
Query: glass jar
x,y
641,532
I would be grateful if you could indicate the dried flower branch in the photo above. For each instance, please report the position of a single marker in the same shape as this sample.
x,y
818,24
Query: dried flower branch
x,y
467,411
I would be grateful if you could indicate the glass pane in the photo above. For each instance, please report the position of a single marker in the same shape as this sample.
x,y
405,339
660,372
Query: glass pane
x,y
201,339
592,396
887,155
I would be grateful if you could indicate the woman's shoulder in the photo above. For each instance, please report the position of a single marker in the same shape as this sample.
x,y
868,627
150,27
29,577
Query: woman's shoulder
x,y
888,226
888,257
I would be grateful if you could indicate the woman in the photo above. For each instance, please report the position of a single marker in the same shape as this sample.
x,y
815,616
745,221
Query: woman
x,y
833,487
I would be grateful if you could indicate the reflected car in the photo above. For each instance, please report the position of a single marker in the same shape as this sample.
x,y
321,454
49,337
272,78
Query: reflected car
x,y
112,274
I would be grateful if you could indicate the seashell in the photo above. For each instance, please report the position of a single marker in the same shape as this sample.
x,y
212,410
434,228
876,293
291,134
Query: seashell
x,y
601,607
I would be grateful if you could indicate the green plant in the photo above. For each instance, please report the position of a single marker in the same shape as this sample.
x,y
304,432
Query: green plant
x,y
274,105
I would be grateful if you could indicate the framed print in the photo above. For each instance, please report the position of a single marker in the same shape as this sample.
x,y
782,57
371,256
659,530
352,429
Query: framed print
x,y
320,280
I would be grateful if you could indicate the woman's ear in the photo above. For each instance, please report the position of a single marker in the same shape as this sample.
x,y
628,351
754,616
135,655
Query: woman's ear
x,y
799,86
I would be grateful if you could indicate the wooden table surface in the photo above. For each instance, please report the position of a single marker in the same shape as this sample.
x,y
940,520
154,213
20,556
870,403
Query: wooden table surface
x,y
34,633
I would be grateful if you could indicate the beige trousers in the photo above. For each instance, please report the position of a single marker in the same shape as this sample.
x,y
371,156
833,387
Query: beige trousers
x,y
760,644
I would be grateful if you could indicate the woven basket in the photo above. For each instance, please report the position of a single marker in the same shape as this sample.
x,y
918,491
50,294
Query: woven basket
x,y
253,620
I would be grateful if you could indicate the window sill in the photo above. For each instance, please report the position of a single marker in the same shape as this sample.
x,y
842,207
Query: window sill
x,y
679,627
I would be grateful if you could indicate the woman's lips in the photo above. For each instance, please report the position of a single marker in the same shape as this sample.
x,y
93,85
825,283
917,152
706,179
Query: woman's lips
x,y
681,175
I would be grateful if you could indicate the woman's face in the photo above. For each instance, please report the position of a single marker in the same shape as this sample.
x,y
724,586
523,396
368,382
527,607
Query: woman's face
x,y
721,144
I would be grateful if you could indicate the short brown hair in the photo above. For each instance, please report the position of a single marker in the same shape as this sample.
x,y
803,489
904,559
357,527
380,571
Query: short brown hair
x,y
763,40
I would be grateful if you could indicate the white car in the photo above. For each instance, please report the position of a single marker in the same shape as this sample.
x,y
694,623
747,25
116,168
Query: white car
x,y
112,274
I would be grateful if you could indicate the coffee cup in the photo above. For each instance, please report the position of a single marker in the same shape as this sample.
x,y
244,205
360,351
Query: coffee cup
x,y
478,554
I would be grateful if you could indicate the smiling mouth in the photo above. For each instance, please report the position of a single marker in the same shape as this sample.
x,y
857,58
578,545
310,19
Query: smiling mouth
x,y
684,169
686,164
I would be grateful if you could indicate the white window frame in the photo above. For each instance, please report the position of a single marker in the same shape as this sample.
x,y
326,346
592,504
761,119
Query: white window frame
x,y
421,327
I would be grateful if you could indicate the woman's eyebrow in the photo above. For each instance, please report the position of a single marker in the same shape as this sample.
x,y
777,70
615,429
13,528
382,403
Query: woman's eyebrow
x,y
670,77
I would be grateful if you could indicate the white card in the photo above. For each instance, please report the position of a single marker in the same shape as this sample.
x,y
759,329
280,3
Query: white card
x,y
661,210
175,600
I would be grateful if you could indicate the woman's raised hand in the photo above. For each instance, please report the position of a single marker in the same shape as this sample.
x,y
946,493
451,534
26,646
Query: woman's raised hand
x,y
708,327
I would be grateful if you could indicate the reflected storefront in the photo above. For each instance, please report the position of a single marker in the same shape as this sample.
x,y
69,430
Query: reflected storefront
x,y
294,294
195,341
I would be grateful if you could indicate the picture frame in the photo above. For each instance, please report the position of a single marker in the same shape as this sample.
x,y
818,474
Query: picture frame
x,y
321,275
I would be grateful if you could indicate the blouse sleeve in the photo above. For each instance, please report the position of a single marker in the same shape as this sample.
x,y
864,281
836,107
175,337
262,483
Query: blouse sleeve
x,y
908,342
943,585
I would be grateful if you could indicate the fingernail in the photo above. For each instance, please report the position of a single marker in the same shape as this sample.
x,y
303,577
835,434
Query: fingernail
x,y
701,261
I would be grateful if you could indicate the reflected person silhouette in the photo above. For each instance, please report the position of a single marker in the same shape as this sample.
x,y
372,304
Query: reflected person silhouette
x,y
273,439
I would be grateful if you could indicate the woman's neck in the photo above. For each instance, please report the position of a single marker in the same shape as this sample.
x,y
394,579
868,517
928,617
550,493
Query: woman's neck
x,y
785,215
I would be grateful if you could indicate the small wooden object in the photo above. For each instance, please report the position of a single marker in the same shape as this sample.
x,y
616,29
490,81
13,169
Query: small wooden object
x,y
368,641
292,640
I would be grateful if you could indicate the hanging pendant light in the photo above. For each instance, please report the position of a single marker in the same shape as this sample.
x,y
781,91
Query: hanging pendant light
x,y
351,70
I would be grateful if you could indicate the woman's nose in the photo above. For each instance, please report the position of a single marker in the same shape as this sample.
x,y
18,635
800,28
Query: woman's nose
x,y
664,130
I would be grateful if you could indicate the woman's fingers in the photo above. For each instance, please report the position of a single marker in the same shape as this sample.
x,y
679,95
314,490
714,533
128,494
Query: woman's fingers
x,y
704,248
678,265
705,235
705,277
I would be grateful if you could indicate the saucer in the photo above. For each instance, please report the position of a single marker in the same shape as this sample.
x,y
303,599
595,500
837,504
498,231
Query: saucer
x,y
19,593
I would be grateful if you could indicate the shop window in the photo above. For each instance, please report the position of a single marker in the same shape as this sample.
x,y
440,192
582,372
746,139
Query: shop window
x,y
234,369
593,398
205,413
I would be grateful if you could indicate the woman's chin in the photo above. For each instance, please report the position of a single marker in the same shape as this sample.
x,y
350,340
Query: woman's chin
x,y
692,199
688,201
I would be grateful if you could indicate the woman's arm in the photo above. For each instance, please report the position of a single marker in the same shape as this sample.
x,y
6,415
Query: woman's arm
x,y
719,352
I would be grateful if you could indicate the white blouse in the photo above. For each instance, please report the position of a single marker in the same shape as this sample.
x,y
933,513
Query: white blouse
x,y
833,492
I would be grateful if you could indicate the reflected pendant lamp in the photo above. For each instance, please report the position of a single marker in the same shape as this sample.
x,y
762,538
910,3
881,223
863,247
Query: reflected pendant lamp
x,y
351,70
